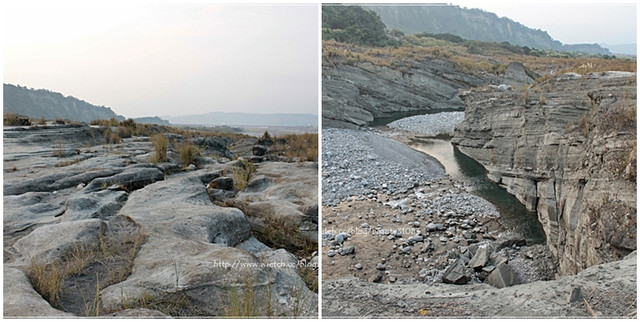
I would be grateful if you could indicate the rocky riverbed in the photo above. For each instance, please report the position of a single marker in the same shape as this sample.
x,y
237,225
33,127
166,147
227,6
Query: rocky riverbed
x,y
121,236
435,236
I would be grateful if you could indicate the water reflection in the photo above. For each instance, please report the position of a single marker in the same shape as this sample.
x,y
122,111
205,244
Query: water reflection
x,y
463,168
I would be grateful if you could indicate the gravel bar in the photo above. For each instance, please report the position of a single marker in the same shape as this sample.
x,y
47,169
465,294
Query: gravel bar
x,y
359,163
429,124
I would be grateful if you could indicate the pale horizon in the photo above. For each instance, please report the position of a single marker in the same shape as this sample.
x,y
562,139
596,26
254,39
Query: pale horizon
x,y
167,59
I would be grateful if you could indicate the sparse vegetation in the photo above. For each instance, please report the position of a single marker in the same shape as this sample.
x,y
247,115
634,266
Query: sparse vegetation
x,y
160,145
13,119
244,304
584,124
525,94
303,147
58,150
176,304
111,137
187,153
242,175
542,100
62,279
47,280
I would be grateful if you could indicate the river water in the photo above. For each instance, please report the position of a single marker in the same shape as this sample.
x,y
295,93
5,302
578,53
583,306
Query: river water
x,y
514,215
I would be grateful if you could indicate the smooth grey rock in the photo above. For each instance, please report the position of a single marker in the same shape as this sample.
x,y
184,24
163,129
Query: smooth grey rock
x,y
181,208
52,242
102,204
29,209
354,94
20,300
214,144
131,178
258,183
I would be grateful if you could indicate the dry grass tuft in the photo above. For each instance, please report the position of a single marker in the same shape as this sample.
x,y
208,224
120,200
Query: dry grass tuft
x,y
187,153
242,175
160,145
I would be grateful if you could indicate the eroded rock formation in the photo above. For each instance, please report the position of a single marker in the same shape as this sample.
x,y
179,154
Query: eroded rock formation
x,y
567,149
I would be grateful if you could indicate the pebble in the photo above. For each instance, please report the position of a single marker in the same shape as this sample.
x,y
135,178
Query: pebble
x,y
347,250
358,266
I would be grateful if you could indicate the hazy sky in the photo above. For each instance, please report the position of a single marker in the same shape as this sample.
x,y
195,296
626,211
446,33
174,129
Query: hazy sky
x,y
570,22
167,59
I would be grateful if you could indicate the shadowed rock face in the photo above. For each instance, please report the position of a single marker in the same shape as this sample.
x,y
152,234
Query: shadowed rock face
x,y
353,94
566,151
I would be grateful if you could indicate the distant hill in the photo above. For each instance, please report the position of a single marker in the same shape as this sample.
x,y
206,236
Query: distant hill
x,y
38,103
472,24
353,24
222,118
151,120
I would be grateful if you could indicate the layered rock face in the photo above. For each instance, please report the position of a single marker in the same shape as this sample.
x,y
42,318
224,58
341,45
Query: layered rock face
x,y
567,149
355,93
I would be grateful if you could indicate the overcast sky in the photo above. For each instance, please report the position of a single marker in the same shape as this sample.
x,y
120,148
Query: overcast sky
x,y
570,22
167,59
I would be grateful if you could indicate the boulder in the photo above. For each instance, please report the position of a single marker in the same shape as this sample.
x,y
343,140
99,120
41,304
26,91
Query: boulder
x,y
181,207
481,258
502,276
259,150
222,183
456,274
52,242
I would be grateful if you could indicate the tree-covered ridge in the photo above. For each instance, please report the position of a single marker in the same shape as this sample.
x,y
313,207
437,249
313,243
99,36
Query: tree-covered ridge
x,y
353,24
471,24
42,103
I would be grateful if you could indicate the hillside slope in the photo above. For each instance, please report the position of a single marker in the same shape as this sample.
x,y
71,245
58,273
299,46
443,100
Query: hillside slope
x,y
38,103
472,24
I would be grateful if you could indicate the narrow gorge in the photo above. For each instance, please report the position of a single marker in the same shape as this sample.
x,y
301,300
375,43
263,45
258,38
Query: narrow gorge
x,y
407,233
566,149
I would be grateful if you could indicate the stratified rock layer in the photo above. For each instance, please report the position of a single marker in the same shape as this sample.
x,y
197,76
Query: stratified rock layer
x,y
567,149
355,93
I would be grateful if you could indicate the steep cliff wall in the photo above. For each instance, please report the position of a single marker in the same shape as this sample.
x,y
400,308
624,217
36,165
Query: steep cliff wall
x,y
356,92
567,149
